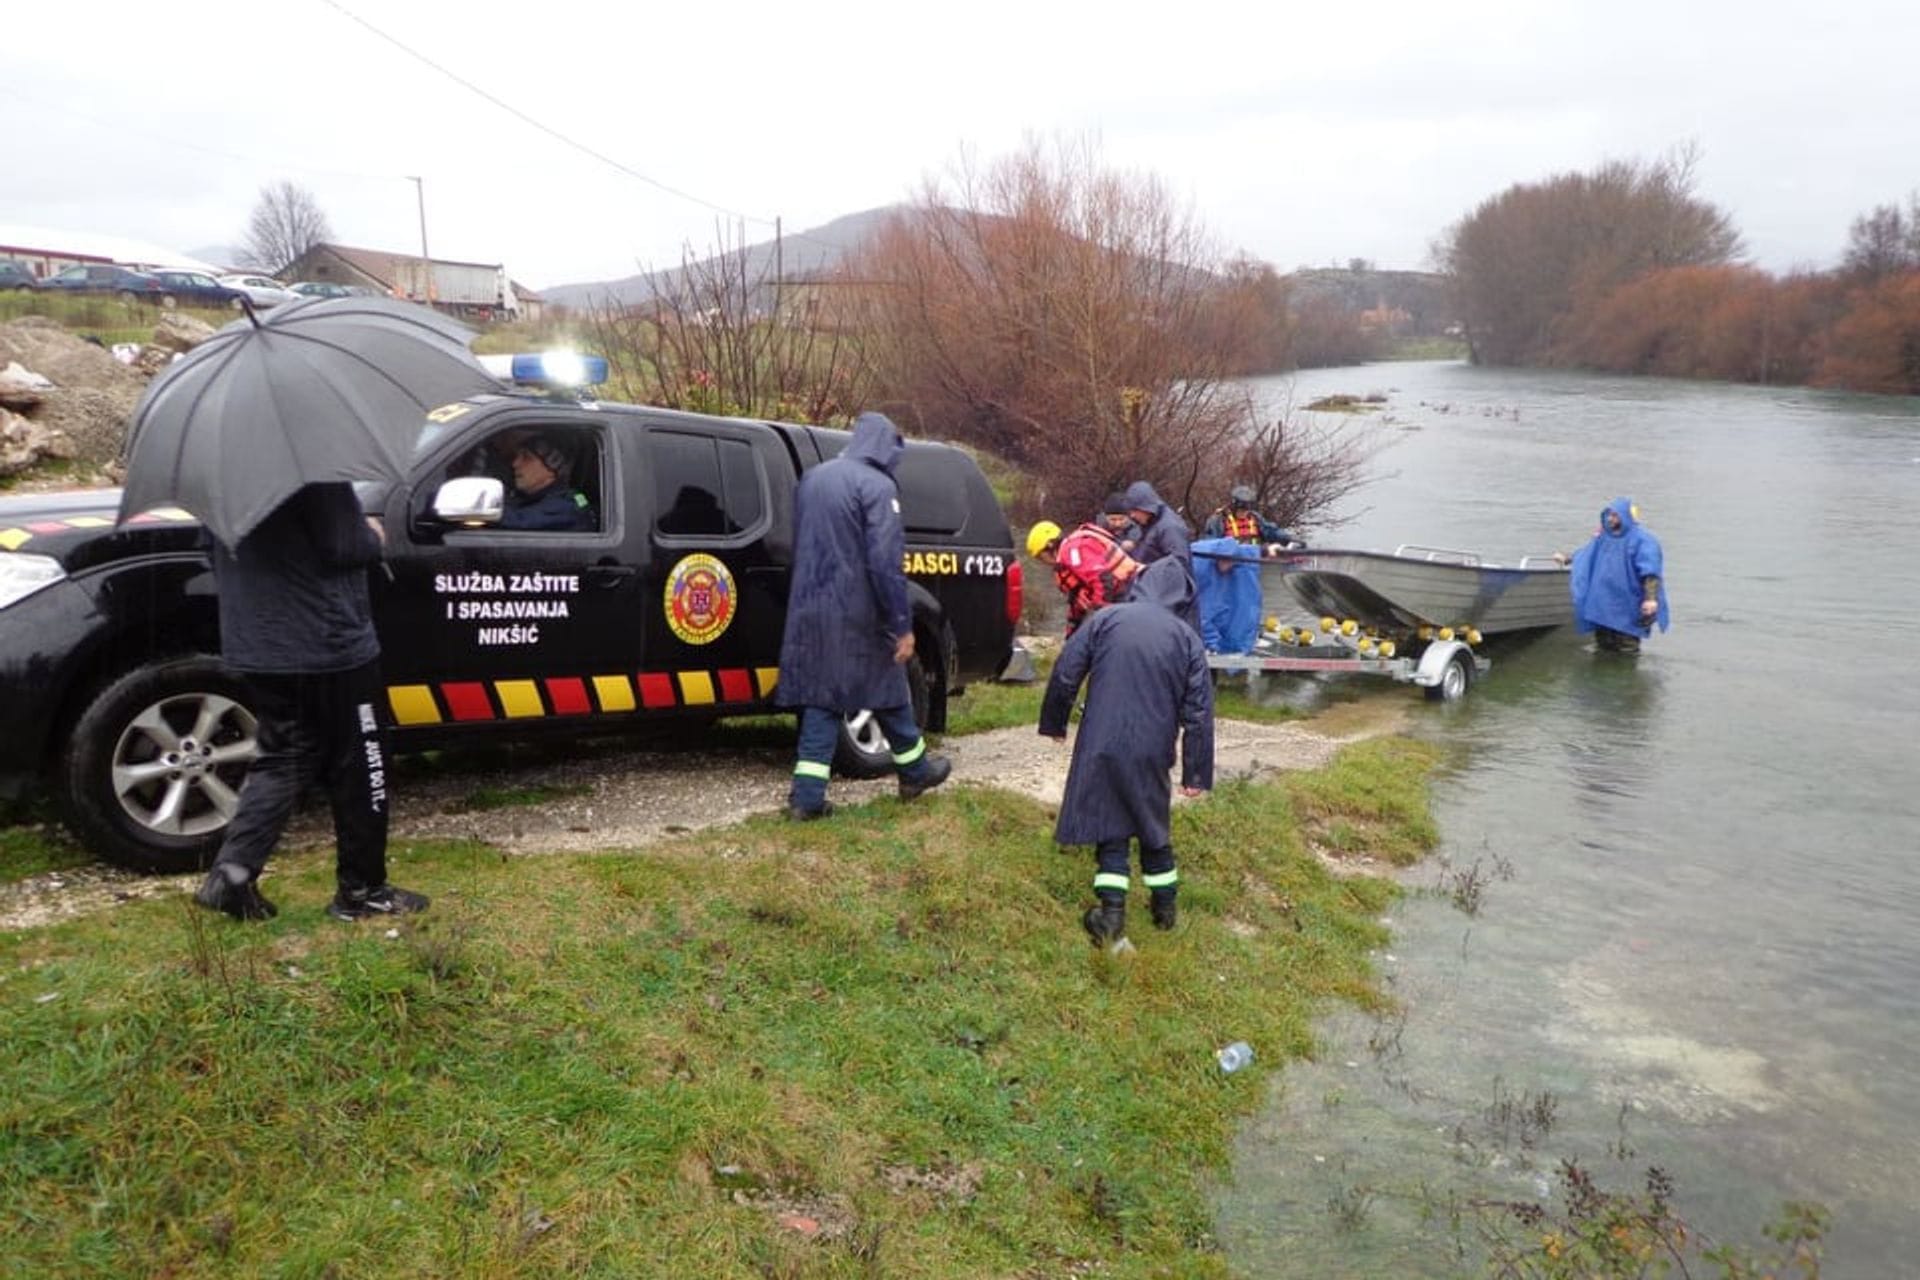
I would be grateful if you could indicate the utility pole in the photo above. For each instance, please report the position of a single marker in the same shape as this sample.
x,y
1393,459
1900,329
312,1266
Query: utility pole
x,y
426,263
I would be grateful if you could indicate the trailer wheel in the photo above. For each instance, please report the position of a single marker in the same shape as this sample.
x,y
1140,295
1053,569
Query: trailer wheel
x,y
1454,681
863,751
151,774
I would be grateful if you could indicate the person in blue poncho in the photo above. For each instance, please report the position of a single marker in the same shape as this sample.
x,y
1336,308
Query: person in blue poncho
x,y
849,631
1618,591
1226,585
1147,687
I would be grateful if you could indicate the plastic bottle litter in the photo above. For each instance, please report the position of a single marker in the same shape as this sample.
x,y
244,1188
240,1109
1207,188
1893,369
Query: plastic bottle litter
x,y
1235,1056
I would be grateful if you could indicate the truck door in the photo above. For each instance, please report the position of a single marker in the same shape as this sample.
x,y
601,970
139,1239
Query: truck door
x,y
500,623
716,584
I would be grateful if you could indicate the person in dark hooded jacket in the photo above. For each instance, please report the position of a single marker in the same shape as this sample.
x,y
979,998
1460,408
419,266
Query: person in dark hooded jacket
x,y
1163,534
1162,531
1147,685
1618,593
849,631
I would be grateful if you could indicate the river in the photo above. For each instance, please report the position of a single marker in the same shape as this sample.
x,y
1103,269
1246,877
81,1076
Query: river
x,y
1698,871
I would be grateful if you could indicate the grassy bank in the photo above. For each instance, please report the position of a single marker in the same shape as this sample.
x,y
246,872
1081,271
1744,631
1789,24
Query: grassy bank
x,y
873,1046
102,317
1427,349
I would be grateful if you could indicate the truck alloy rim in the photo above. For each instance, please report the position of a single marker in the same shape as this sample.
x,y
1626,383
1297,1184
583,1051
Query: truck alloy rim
x,y
178,764
863,730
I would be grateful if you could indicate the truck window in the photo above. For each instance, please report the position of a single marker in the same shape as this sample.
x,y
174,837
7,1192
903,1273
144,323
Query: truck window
x,y
933,491
705,487
575,479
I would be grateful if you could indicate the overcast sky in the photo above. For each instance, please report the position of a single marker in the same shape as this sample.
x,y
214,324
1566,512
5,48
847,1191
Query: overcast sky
x,y
1302,134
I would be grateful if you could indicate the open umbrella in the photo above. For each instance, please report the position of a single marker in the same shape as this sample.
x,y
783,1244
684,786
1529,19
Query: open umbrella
x,y
334,389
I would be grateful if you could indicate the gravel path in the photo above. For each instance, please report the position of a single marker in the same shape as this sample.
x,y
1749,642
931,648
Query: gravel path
x,y
631,797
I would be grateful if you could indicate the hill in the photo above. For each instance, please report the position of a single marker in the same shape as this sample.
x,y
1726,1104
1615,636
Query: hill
x,y
1422,295
800,254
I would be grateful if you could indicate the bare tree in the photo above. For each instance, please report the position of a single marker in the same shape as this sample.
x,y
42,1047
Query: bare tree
x,y
1073,321
725,334
1884,242
285,223
1527,259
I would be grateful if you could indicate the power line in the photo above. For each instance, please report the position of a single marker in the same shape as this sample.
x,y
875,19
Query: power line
x,y
547,129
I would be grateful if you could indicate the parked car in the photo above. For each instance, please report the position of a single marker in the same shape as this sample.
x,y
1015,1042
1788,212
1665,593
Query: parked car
x,y
261,291
92,277
668,609
15,275
196,289
320,289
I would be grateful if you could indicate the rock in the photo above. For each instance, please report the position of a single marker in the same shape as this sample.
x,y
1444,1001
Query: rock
x,y
21,387
178,332
24,442
151,359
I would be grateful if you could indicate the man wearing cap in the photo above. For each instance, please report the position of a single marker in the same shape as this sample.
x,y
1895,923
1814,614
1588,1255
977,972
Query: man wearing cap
x,y
1118,517
542,498
1239,521
1089,566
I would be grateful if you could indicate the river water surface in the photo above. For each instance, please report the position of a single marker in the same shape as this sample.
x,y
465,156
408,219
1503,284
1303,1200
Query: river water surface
x,y
1699,870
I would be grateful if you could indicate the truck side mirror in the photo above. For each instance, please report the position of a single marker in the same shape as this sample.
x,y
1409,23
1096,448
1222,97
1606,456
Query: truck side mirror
x,y
473,501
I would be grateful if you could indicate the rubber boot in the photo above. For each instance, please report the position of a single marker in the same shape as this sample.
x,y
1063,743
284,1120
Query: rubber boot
x,y
1106,921
1166,912
934,770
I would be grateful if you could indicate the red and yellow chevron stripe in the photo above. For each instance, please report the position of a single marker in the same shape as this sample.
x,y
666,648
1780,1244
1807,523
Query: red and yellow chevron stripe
x,y
468,701
12,539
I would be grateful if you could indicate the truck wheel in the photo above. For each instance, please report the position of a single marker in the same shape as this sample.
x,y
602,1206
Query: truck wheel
x,y
1454,681
862,751
151,775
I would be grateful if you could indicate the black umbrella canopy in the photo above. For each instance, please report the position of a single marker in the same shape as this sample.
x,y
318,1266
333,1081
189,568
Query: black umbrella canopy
x,y
332,389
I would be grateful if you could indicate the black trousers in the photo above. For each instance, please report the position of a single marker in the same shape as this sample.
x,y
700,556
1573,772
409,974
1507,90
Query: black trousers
x,y
325,725
1110,861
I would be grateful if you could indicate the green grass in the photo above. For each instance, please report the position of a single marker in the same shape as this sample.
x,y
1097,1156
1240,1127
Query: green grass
x,y
635,1064
34,846
105,318
1427,349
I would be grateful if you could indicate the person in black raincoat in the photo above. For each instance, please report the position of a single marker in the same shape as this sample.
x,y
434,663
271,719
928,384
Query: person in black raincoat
x,y
849,631
1163,534
1147,684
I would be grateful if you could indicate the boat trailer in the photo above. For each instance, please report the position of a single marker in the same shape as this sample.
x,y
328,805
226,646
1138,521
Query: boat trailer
x,y
1441,661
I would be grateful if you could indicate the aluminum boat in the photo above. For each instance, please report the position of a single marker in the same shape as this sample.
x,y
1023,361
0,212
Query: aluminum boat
x,y
1415,586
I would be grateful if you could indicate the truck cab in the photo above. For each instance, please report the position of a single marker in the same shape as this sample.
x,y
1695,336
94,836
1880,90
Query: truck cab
x,y
664,599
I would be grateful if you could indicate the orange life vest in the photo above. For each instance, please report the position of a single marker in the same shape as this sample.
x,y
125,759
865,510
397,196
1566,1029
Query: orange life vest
x,y
1244,527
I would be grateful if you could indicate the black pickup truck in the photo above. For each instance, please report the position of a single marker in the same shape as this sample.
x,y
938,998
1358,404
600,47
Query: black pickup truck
x,y
670,605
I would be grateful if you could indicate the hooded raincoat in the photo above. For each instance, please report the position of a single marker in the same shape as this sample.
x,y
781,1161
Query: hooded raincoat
x,y
848,604
1226,584
1166,534
1609,573
1147,685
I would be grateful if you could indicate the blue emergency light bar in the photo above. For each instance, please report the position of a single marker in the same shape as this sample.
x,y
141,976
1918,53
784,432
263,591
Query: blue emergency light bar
x,y
557,369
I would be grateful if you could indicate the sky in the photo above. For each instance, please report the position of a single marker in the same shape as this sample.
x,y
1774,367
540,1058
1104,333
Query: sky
x,y
577,141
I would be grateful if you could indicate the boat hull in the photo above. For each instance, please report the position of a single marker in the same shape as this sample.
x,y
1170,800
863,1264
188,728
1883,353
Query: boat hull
x,y
1403,591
